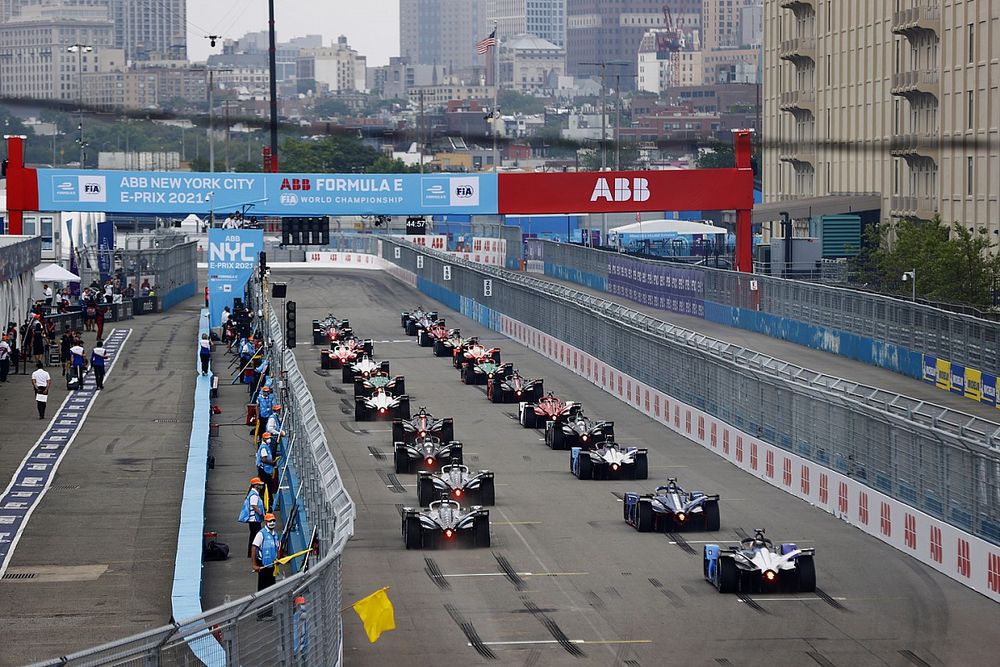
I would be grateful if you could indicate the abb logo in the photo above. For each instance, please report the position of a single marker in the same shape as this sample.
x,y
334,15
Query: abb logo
x,y
886,520
656,406
624,190
302,184
910,531
937,553
753,456
725,442
715,435
786,471
805,480
863,508
994,575
769,465
842,498
824,488
687,421
677,417
964,562
739,451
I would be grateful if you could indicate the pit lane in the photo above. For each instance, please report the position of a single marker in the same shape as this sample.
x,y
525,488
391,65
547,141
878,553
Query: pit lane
x,y
566,581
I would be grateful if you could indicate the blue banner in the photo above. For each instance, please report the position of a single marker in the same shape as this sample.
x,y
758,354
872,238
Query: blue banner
x,y
105,248
233,255
181,193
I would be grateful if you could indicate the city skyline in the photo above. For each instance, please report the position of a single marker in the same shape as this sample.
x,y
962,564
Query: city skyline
x,y
377,38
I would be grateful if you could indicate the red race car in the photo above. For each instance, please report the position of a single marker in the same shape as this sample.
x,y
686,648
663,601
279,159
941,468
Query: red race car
x,y
345,352
548,408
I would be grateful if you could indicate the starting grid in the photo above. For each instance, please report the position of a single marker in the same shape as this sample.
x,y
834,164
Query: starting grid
x,y
36,472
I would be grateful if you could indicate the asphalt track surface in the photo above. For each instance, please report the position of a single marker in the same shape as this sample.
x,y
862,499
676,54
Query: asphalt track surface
x,y
566,581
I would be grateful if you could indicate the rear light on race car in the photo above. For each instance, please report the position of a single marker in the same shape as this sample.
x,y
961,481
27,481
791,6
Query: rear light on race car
x,y
770,575
381,411
518,392
429,461
614,466
449,533
458,493
681,516
584,438
423,433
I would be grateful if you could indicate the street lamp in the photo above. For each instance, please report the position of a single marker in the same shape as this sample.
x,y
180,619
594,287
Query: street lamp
x,y
79,50
912,277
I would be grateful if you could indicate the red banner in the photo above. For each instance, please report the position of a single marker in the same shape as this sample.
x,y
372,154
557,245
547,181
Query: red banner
x,y
626,191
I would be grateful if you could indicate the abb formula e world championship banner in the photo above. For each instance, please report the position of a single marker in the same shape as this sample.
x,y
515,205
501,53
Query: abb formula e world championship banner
x,y
269,194
232,258
626,191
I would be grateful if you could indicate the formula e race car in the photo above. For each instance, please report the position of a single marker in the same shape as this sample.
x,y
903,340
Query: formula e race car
x,y
671,509
480,372
757,566
445,523
509,387
345,352
417,318
427,335
366,386
427,453
456,482
445,347
423,424
578,430
547,408
609,461
381,406
321,329
364,368
471,349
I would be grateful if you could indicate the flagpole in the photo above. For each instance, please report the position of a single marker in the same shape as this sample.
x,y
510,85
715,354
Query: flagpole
x,y
496,90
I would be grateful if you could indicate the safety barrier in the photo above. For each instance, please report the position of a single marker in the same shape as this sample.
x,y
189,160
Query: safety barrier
x,y
827,440
958,353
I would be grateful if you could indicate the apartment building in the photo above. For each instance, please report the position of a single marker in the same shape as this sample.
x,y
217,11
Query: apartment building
x,y
443,33
886,108
541,18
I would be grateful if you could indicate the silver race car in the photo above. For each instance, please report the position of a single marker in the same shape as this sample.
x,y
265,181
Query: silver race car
x,y
758,566
671,509
422,425
363,368
366,386
455,481
578,430
417,318
381,406
445,523
609,461
427,453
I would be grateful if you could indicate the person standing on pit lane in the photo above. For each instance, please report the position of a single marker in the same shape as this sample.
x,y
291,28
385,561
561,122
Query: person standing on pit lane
x,y
205,352
4,359
265,408
98,357
266,551
41,381
252,512
265,466
79,363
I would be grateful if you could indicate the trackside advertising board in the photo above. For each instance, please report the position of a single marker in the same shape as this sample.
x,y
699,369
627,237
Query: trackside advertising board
x,y
233,255
269,194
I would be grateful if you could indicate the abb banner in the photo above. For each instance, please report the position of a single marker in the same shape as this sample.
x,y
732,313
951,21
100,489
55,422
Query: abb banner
x,y
489,251
627,191
344,260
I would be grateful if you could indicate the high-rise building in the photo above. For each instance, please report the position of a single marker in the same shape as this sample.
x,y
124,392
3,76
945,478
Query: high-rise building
x,y
443,33
885,107
150,29
334,69
541,18
722,22
598,31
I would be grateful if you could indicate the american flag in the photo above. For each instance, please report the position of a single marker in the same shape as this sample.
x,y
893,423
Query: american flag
x,y
484,45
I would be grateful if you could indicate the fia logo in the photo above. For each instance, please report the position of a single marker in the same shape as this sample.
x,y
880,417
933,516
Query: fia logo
x,y
288,199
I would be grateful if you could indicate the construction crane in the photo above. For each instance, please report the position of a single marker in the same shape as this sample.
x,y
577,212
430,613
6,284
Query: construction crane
x,y
670,40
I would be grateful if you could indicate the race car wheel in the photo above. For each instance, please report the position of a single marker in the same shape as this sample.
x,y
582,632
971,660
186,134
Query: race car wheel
x,y
439,349
412,533
397,430
324,360
400,387
360,412
528,418
411,328
711,511
347,375
448,430
425,491
422,338
805,570
403,411
402,461
586,470
644,520
554,437
496,357
481,532
641,467
369,348
487,492
494,390
728,576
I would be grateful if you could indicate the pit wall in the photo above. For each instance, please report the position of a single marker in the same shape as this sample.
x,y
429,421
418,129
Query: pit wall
x,y
967,559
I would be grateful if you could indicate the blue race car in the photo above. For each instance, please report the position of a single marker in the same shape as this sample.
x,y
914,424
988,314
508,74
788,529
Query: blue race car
x,y
670,509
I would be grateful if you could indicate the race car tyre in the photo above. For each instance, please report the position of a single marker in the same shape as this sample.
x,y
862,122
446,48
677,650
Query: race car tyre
x,y
481,532
398,435
494,390
360,412
487,492
539,390
448,430
369,347
400,387
347,375
805,570
644,520
324,360
554,436
403,411
439,349
401,460
528,417
711,511
403,318
425,491
412,533
728,574
422,338
384,367
468,374
496,357
411,328
641,467
586,467
359,387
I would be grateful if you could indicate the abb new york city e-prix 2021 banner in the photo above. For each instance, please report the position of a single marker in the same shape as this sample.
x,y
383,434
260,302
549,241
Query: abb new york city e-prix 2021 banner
x,y
265,194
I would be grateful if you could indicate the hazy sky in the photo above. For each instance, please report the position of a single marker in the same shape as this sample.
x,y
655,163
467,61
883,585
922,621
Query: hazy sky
x,y
371,26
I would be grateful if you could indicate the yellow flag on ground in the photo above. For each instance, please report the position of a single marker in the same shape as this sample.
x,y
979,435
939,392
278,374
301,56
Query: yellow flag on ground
x,y
375,611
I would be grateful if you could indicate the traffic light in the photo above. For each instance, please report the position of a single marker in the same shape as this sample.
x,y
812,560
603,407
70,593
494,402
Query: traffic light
x,y
305,231
262,267
289,324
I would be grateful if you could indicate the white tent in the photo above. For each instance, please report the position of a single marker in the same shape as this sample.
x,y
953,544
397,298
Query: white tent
x,y
53,273
668,227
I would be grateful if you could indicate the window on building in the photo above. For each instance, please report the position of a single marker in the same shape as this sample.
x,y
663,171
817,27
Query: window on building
x,y
971,103
46,232
972,43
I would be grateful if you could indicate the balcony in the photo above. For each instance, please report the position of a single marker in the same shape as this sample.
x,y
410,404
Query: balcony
x,y
913,207
798,155
798,49
797,101
799,6
911,22
914,146
918,82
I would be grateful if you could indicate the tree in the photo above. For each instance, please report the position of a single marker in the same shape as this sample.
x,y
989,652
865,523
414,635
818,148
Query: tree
x,y
723,156
511,101
339,153
328,107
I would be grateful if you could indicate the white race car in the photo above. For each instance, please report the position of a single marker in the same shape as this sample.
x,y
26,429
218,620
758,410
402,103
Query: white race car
x,y
758,566
381,406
